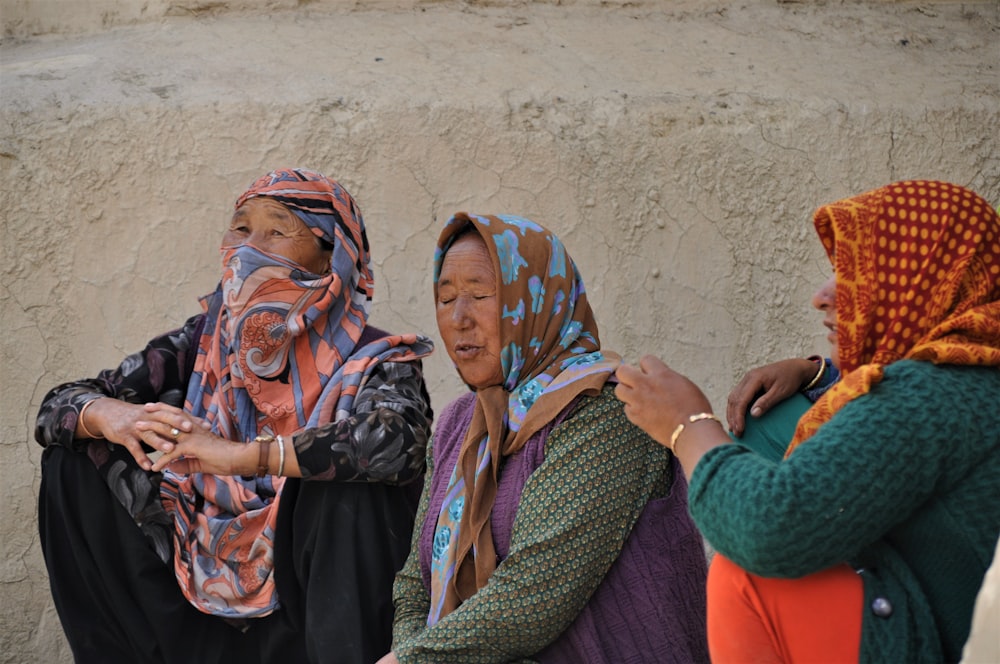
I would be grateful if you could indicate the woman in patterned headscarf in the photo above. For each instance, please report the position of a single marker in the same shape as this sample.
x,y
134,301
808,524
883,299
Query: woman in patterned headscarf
x,y
542,527
222,552
869,540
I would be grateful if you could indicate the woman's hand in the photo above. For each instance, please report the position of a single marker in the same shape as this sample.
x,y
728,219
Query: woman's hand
x,y
125,423
195,449
388,659
778,381
657,398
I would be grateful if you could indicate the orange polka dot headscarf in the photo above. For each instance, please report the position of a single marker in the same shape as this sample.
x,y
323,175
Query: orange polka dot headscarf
x,y
917,268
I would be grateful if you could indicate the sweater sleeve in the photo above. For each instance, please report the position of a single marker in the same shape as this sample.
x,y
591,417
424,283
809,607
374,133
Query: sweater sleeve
x,y
880,458
383,440
159,372
575,513
409,595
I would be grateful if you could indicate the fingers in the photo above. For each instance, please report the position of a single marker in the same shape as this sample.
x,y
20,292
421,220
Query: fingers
x,y
158,435
180,465
134,446
173,417
651,364
739,401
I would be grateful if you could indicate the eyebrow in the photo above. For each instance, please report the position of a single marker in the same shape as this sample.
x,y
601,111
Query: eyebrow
x,y
274,213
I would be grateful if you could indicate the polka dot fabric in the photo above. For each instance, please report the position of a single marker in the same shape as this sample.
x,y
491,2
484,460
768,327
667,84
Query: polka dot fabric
x,y
918,277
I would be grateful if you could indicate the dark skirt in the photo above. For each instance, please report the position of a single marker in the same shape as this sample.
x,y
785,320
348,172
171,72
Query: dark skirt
x,y
337,549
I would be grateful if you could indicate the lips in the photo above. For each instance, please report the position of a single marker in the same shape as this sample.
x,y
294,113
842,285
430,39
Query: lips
x,y
832,326
466,351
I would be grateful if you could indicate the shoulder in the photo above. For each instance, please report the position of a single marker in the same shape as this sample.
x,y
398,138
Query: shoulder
x,y
925,383
913,371
601,419
451,424
931,402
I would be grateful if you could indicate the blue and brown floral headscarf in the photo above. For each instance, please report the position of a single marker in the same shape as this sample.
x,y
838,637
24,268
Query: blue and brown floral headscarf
x,y
550,355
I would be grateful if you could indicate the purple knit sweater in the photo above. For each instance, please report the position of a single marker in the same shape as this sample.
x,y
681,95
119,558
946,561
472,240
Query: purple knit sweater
x,y
650,606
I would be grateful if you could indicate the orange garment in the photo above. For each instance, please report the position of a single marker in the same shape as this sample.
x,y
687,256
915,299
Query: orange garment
x,y
816,618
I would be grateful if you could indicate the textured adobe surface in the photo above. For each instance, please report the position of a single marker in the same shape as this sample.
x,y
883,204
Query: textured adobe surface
x,y
678,148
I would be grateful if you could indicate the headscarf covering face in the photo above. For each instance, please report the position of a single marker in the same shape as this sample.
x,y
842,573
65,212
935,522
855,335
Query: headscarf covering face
x,y
917,268
550,354
278,354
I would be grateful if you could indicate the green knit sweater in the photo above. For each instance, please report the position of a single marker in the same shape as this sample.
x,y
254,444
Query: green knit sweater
x,y
903,482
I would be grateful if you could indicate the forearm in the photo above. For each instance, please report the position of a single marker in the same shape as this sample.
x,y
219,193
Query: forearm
x,y
409,595
156,373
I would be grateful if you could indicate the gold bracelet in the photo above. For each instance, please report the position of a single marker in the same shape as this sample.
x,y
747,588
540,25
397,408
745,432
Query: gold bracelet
x,y
818,376
80,421
691,420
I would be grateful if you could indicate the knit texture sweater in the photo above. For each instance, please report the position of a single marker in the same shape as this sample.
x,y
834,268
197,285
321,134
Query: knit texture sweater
x,y
902,483
599,560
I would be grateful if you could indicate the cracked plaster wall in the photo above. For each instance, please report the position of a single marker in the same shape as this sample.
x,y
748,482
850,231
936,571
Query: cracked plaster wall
x,y
678,151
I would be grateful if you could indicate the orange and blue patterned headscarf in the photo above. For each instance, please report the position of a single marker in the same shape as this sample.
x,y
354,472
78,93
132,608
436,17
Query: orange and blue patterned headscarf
x,y
550,354
279,353
917,268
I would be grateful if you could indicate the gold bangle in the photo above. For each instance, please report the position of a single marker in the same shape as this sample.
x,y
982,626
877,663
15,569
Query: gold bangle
x,y
698,417
817,377
82,424
263,460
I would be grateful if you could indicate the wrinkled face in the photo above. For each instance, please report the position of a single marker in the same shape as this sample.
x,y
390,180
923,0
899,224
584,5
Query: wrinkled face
x,y
826,301
468,312
270,226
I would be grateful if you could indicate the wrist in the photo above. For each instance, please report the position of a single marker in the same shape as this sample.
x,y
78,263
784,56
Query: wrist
x,y
817,370
85,421
688,421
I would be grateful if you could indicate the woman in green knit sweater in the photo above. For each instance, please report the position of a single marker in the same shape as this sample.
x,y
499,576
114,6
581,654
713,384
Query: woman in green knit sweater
x,y
870,538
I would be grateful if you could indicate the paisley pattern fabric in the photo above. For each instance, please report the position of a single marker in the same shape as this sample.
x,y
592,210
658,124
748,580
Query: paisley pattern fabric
x,y
279,353
550,354
918,277
384,440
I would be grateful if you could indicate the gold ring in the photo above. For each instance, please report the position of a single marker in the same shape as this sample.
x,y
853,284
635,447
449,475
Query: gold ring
x,y
175,432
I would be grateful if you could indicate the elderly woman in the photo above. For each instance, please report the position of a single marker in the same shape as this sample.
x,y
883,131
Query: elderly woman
x,y
272,524
869,540
551,529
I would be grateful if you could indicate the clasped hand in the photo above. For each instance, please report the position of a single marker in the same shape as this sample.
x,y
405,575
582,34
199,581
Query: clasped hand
x,y
185,442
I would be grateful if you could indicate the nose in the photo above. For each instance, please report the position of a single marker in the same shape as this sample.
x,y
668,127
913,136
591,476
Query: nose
x,y
461,313
257,238
826,297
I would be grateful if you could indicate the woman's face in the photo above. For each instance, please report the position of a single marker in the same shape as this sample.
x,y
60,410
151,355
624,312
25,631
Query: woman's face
x,y
826,301
270,226
468,312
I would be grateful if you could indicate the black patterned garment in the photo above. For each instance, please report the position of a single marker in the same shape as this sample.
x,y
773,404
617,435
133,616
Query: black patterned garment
x,y
384,440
